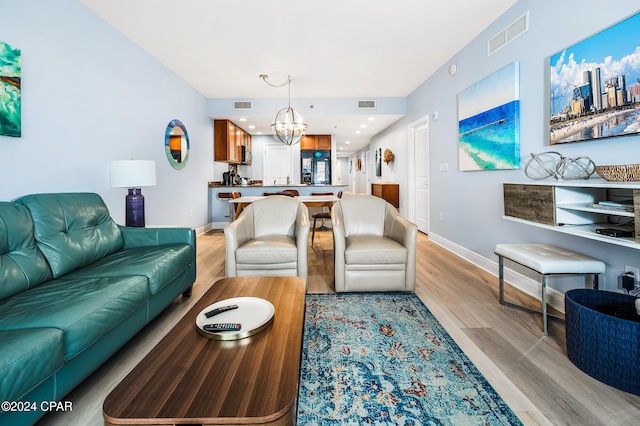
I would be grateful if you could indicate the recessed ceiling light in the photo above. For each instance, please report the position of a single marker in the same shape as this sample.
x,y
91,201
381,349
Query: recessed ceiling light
x,y
357,132
243,119
258,133
347,142
372,118
363,126
252,127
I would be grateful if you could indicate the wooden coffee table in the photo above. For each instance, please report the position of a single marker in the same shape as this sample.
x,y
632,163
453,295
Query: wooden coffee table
x,y
190,379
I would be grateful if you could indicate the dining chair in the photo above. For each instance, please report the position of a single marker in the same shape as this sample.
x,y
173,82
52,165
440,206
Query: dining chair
x,y
239,206
321,215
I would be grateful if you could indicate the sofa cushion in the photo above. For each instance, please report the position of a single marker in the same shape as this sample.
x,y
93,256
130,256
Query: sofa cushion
x,y
363,214
275,215
373,250
22,265
28,357
72,230
268,250
160,265
84,309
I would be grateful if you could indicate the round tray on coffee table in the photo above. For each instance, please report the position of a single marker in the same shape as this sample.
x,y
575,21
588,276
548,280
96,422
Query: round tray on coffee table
x,y
253,313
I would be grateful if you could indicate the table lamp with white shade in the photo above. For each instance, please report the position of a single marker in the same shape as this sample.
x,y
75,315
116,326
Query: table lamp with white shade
x,y
133,174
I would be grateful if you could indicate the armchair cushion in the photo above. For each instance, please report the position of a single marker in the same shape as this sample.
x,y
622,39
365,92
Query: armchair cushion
x,y
374,250
267,250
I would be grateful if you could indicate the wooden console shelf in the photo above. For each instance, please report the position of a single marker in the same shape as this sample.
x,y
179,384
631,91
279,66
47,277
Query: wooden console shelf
x,y
577,207
390,192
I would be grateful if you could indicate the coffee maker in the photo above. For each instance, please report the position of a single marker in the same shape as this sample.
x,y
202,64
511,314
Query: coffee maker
x,y
229,178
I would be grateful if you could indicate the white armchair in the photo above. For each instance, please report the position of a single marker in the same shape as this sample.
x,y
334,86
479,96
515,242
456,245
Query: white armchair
x,y
270,238
374,247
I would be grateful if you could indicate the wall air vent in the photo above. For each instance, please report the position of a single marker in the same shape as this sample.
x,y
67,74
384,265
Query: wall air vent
x,y
242,105
506,36
366,104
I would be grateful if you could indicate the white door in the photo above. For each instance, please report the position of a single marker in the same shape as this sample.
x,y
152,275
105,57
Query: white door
x,y
337,174
421,142
278,169
367,162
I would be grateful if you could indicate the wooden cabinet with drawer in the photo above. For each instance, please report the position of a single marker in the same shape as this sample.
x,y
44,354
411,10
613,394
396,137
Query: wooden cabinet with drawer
x,y
390,192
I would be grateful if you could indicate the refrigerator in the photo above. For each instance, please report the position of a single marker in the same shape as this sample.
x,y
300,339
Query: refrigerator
x,y
315,167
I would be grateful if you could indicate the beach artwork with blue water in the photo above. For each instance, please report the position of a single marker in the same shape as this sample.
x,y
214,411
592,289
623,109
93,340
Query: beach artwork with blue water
x,y
10,96
489,122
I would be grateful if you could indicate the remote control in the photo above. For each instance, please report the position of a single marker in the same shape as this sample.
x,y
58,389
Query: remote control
x,y
220,310
217,328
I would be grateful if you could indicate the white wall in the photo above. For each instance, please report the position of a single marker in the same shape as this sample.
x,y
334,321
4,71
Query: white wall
x,y
471,202
90,96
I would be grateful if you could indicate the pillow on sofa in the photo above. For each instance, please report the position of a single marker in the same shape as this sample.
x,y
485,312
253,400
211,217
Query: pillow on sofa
x,y
72,229
22,265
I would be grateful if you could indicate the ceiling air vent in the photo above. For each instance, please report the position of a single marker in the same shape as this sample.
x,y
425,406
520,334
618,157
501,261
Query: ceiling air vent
x,y
242,105
366,104
504,37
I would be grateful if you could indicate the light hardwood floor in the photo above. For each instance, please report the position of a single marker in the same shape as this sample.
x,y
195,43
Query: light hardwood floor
x,y
531,372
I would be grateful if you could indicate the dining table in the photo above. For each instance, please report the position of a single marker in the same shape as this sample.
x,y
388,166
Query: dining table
x,y
308,200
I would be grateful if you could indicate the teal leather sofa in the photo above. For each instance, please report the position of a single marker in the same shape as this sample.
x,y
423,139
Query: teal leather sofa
x,y
74,288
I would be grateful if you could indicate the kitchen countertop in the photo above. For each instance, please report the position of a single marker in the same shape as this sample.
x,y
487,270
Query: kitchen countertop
x,y
218,184
219,207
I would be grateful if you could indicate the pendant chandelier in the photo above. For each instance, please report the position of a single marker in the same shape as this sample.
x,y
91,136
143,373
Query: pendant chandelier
x,y
288,125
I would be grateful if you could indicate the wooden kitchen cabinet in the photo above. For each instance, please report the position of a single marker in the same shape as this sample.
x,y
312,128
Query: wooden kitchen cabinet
x,y
316,143
390,192
229,143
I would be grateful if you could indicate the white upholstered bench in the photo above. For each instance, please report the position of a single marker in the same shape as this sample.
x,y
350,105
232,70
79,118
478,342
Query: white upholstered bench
x,y
546,260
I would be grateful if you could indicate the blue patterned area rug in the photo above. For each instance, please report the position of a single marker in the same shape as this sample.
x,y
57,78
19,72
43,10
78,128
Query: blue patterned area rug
x,y
384,359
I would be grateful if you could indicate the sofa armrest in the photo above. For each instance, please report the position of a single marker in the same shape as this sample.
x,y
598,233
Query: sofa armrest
x,y
339,246
236,234
153,237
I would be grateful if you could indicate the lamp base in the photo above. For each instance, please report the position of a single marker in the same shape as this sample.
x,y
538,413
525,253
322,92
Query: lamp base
x,y
135,208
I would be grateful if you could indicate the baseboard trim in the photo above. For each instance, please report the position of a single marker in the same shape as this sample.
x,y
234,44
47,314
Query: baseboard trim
x,y
515,279
208,227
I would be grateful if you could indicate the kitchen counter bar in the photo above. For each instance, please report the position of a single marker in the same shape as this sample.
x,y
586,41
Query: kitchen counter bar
x,y
219,208
218,184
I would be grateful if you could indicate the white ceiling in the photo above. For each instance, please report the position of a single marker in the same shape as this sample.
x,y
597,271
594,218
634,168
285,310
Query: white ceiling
x,y
364,49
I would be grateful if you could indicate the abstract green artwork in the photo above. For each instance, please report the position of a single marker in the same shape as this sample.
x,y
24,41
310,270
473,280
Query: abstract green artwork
x,y
10,98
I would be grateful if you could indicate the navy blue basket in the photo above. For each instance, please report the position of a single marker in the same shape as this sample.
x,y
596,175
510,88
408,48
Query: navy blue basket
x,y
603,336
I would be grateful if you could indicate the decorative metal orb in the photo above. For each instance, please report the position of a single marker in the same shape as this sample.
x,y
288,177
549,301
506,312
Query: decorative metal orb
x,y
553,164
543,165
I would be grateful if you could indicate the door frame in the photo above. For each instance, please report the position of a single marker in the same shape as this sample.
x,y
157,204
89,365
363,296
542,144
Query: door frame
x,y
411,172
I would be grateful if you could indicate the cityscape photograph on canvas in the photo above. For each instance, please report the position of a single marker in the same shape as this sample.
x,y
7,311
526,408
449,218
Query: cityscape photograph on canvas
x,y
595,86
